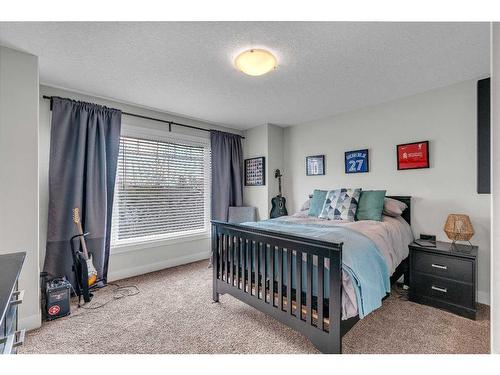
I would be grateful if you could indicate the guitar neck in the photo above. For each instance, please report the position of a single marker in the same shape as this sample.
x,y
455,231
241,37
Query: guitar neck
x,y
279,184
82,240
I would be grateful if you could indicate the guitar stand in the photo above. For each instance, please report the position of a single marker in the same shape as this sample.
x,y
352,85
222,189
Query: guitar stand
x,y
81,272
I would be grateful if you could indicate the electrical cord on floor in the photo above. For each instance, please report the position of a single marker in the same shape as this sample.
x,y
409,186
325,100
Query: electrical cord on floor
x,y
120,291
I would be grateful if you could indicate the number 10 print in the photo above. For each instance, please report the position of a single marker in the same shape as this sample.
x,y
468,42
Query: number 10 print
x,y
356,161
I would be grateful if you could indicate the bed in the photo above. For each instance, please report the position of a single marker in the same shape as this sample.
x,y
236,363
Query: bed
x,y
317,277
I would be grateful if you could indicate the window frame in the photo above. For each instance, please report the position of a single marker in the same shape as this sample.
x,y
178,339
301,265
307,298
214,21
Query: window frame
x,y
178,237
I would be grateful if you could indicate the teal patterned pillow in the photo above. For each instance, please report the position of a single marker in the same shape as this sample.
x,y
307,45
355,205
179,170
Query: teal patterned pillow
x,y
341,204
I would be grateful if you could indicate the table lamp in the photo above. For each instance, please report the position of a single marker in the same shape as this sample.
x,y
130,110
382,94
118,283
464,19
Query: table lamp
x,y
458,227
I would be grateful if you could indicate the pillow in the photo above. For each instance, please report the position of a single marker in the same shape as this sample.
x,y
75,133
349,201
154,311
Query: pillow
x,y
340,204
371,204
317,202
306,205
393,207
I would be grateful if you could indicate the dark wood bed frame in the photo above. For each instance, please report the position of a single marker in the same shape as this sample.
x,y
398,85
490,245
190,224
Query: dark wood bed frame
x,y
318,318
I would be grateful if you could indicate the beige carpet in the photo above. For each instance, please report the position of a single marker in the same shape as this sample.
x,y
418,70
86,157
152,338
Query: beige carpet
x,y
174,313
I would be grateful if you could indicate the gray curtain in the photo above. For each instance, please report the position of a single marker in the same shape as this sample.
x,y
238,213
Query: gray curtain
x,y
227,173
84,146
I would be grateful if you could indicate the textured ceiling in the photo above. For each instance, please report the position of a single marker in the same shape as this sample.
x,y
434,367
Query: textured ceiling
x,y
186,67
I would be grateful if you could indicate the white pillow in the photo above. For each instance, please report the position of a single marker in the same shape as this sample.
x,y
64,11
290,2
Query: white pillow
x,y
393,207
306,205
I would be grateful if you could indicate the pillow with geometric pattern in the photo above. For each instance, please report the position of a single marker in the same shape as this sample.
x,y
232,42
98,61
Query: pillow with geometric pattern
x,y
341,204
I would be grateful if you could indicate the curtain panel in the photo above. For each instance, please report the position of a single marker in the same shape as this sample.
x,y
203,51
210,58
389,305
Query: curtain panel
x,y
227,173
82,169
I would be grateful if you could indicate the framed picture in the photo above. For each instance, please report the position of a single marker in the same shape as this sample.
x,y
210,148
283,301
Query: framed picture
x,y
315,165
413,155
255,171
356,161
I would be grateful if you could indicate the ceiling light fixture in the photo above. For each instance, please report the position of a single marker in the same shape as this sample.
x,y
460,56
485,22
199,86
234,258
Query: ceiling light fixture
x,y
255,62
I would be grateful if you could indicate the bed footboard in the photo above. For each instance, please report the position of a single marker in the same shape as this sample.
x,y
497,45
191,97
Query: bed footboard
x,y
255,266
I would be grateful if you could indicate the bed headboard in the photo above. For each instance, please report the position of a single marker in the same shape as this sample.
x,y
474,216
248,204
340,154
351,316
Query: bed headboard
x,y
407,200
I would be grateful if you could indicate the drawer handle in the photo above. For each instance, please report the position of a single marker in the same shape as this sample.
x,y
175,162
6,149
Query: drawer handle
x,y
442,290
19,298
439,266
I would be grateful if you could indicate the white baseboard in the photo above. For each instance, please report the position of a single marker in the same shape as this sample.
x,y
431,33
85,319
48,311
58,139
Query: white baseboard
x,y
146,268
30,322
483,297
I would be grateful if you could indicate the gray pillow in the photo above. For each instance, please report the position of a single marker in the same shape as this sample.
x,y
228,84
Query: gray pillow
x,y
393,207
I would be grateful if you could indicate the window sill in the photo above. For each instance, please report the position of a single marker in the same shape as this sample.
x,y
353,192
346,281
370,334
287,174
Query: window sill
x,y
125,248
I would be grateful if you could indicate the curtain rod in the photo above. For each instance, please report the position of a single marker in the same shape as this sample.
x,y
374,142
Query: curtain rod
x,y
170,123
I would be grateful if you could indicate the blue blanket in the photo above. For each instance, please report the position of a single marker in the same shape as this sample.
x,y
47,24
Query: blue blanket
x,y
361,259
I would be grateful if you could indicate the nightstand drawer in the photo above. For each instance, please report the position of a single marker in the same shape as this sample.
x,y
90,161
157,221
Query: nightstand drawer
x,y
443,266
443,289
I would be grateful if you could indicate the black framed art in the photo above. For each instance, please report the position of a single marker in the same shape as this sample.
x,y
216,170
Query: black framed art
x,y
255,171
315,165
356,161
413,155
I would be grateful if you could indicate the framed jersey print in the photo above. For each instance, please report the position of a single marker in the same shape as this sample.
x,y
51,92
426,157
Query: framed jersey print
x,y
356,161
413,155
315,165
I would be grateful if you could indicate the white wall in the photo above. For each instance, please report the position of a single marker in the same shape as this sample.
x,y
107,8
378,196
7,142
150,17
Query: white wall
x,y
265,140
19,172
255,145
275,136
133,260
446,117
495,165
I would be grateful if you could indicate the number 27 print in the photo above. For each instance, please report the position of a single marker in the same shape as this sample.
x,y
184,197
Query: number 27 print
x,y
356,161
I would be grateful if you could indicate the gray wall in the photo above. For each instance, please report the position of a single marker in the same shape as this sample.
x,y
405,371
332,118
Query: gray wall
x,y
255,145
446,117
19,172
275,136
265,140
136,259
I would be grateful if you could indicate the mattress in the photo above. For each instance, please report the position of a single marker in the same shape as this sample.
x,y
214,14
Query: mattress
x,y
390,237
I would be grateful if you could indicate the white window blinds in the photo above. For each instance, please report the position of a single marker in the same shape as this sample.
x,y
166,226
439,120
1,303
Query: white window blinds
x,y
162,188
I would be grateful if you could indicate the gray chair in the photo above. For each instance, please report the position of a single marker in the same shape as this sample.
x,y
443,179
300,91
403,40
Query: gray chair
x,y
238,215
242,214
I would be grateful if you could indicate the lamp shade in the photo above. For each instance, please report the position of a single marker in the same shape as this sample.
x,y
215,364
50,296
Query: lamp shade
x,y
458,227
255,62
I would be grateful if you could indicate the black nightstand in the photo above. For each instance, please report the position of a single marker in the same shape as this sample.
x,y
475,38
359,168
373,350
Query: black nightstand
x,y
444,277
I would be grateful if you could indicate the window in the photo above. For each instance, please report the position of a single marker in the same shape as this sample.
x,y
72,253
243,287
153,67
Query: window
x,y
162,187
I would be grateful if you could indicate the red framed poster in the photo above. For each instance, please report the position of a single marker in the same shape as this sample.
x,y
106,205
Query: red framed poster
x,y
413,155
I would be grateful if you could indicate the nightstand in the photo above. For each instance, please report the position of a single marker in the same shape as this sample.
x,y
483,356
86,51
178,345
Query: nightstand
x,y
444,277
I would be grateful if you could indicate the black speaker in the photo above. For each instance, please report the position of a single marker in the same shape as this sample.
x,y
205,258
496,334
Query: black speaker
x,y
57,294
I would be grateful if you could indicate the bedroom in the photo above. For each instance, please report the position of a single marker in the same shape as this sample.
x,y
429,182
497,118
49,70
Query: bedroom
x,y
237,211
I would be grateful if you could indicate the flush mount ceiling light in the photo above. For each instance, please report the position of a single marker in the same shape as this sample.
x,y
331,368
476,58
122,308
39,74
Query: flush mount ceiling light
x,y
255,62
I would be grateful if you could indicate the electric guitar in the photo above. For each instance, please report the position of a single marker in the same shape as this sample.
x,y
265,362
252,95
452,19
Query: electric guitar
x,y
278,202
92,273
